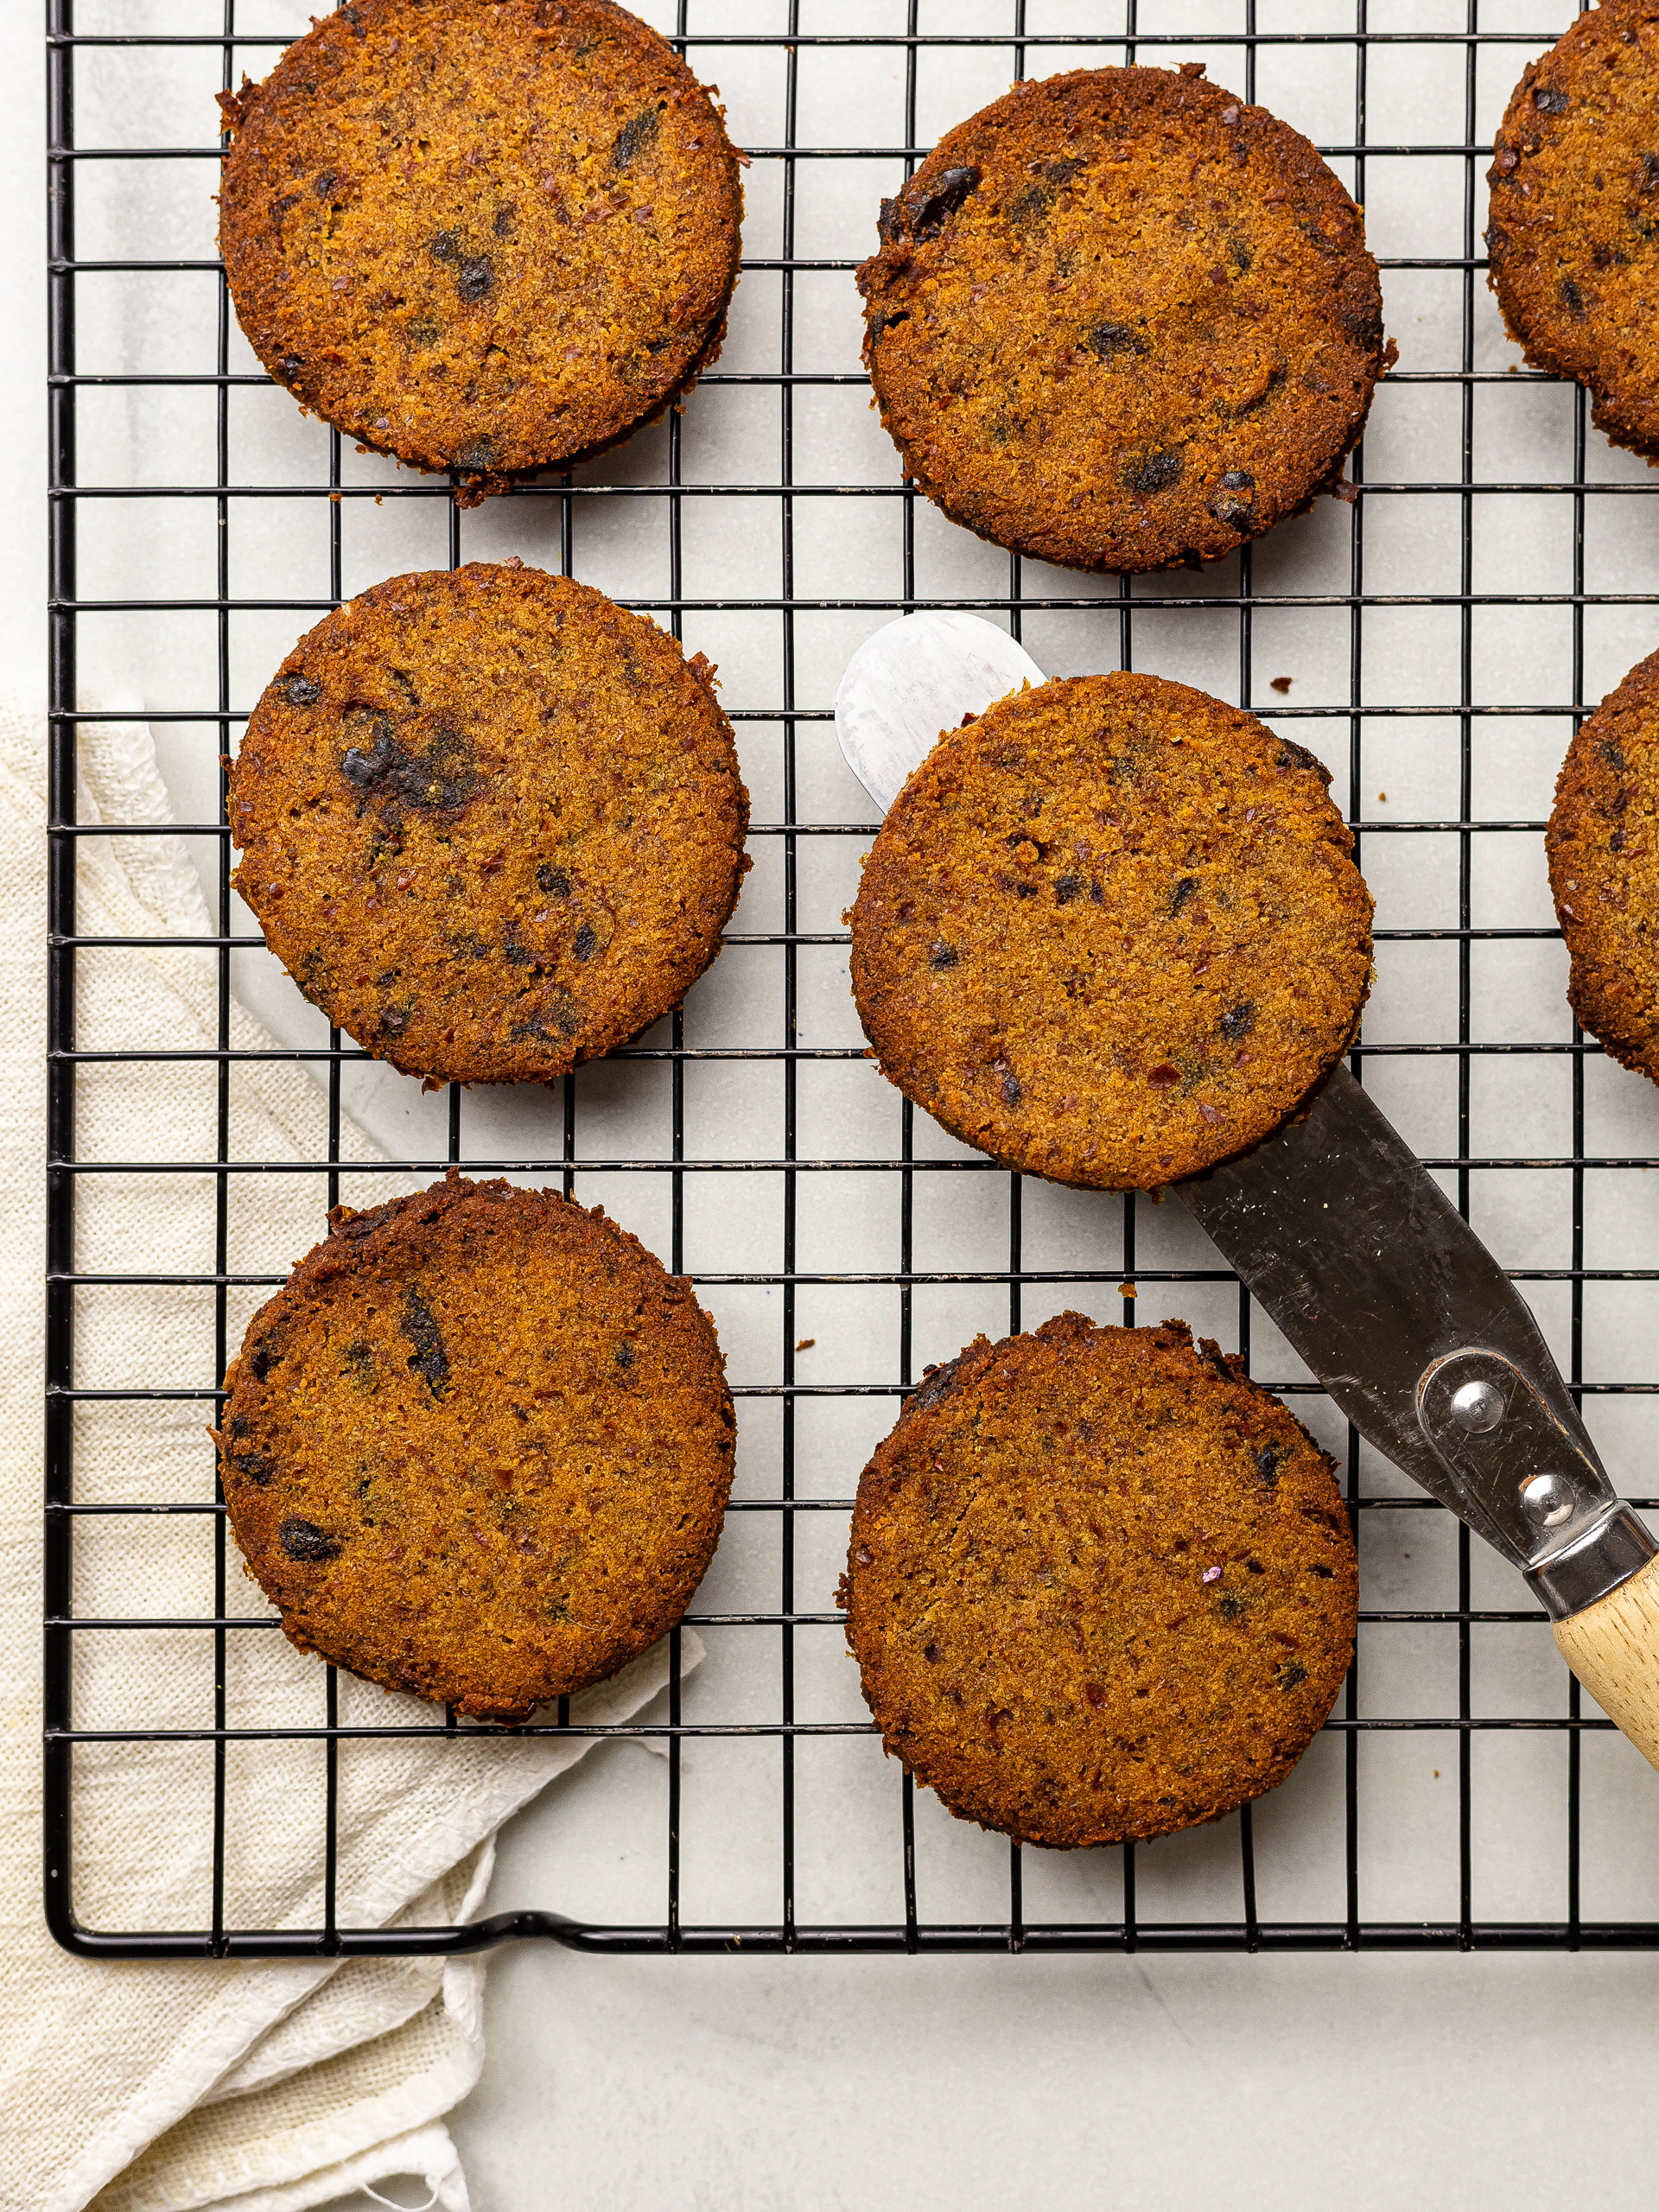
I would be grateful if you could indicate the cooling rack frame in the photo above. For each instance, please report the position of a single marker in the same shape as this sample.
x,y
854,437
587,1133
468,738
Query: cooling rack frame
x,y
1029,52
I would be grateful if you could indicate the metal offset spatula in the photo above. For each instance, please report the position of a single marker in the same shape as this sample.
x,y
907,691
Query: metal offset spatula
x,y
1368,1269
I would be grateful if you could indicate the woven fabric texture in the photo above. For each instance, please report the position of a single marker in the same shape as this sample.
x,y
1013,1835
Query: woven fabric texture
x,y
152,2089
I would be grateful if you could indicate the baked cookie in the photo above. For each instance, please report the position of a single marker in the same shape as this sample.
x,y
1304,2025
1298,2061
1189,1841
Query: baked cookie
x,y
486,237
1573,237
1603,845
477,1446
1100,1584
491,823
1120,320
1111,933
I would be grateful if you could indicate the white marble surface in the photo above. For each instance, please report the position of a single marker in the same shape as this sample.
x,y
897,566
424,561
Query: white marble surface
x,y
1438,2081
1177,2085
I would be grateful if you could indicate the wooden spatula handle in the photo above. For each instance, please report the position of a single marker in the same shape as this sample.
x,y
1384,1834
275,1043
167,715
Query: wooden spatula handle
x,y
1613,1648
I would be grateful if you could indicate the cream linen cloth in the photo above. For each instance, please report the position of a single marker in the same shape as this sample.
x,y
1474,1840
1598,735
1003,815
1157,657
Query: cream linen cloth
x,y
142,2087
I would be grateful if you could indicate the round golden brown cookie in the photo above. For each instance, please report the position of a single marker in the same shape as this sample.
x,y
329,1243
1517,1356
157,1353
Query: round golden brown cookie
x,y
1603,869
477,1446
1100,1584
1574,236
1119,319
491,823
488,238
1111,933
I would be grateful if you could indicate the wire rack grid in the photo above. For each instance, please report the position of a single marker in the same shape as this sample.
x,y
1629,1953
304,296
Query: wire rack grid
x,y
1431,643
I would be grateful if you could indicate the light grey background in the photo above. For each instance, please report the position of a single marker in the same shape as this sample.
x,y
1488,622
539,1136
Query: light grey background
x,y
1443,2080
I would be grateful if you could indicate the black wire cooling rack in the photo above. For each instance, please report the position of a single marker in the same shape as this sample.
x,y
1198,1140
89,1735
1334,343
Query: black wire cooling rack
x,y
1240,36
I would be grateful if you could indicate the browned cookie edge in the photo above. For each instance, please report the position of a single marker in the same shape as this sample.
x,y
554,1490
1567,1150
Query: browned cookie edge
x,y
1588,823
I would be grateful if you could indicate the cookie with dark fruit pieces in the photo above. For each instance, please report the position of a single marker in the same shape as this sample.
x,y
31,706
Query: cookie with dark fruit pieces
x,y
1574,234
1122,319
1111,933
478,1447
1603,844
491,238
1101,1586
491,822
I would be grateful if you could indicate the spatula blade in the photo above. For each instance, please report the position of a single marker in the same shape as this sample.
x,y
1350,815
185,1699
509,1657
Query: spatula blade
x,y
1340,1233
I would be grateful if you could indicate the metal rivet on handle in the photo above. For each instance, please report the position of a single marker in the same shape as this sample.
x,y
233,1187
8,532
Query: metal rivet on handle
x,y
1547,1500
1477,1407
